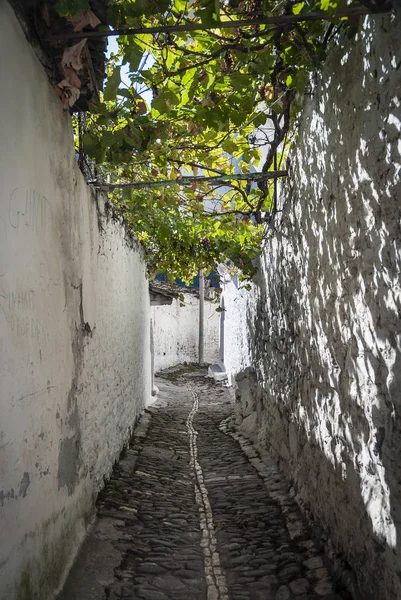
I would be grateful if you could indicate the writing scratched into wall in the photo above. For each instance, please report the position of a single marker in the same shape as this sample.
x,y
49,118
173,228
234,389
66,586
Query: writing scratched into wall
x,y
23,326
27,327
28,208
24,300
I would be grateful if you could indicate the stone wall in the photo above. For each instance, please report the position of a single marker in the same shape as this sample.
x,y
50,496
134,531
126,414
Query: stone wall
x,y
325,390
176,332
74,332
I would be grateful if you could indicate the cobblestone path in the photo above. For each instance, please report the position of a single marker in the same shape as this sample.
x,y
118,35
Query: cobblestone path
x,y
194,513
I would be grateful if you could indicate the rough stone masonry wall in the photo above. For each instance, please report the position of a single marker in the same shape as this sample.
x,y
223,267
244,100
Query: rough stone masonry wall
x,y
74,332
327,327
176,332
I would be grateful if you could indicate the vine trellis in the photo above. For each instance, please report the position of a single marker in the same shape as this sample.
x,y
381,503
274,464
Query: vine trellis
x,y
202,77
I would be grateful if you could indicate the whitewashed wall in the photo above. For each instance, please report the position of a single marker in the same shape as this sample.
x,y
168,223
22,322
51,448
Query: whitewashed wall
x,y
238,324
74,332
326,337
176,332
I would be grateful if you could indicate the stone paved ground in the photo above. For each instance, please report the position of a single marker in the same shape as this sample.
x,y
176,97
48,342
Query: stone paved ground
x,y
192,513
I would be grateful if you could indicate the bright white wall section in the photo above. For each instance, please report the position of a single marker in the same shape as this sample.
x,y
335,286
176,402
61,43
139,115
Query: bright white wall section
x,y
74,331
238,318
176,332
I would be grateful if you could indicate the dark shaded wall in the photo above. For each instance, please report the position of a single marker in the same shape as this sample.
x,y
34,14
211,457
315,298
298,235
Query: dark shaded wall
x,y
325,318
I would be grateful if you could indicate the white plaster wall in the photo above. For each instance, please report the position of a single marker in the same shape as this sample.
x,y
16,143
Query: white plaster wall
x,y
176,332
327,328
74,332
237,323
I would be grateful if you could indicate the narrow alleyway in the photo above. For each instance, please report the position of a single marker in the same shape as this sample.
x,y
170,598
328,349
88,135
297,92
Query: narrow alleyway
x,y
193,514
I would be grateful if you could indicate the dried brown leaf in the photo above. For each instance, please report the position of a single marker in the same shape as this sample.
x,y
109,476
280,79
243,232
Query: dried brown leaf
x,y
64,97
141,107
71,76
72,56
68,93
84,18
192,128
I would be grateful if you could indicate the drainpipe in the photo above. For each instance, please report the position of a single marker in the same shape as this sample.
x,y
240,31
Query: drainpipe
x,y
201,314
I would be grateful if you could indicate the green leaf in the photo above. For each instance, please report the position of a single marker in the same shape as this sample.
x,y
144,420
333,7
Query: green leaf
x,y
98,108
188,76
296,9
125,92
70,7
165,101
170,59
179,5
92,147
110,91
239,81
133,55
229,146
328,5
260,119
208,12
134,9
300,80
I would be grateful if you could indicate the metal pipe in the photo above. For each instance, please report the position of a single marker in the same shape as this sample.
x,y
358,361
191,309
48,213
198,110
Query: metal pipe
x,y
319,15
201,315
190,180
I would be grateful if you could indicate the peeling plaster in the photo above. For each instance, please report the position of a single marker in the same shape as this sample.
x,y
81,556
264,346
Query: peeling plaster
x,y
68,464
